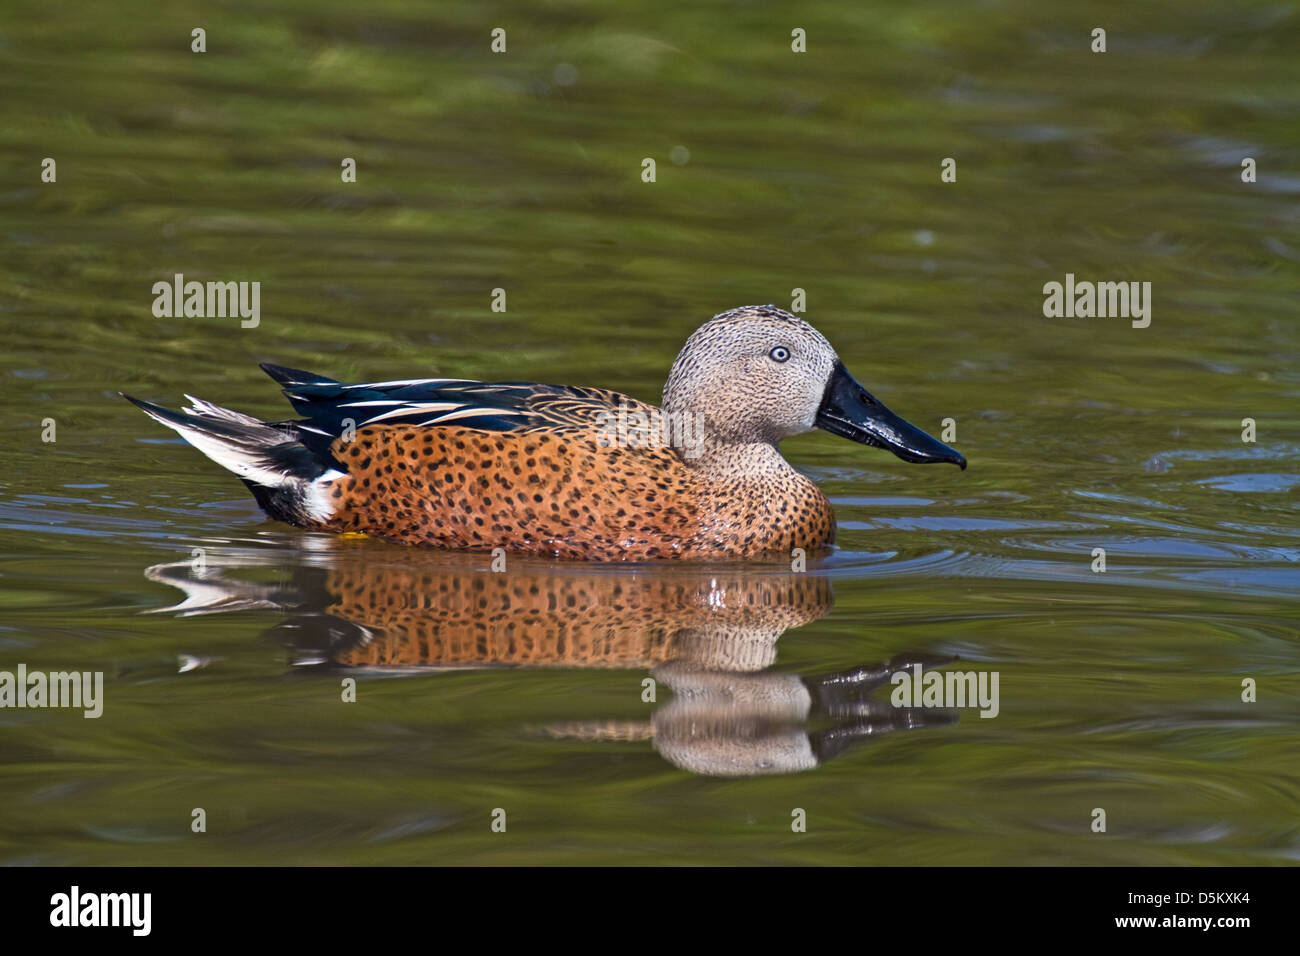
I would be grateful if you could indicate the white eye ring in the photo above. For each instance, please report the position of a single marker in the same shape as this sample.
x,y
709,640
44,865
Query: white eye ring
x,y
779,354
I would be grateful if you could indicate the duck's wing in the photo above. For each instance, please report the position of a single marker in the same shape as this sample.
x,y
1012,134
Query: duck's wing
x,y
328,407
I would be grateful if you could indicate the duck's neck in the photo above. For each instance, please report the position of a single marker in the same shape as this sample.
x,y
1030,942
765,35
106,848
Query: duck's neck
x,y
736,461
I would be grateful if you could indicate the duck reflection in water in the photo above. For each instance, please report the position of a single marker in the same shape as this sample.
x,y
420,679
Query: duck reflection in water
x,y
708,636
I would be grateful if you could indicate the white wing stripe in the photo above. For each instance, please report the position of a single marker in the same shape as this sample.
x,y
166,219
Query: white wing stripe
x,y
413,410
403,381
470,412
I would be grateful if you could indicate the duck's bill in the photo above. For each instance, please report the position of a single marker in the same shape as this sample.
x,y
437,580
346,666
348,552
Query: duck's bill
x,y
851,411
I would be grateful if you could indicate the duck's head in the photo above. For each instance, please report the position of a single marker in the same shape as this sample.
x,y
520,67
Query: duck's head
x,y
758,374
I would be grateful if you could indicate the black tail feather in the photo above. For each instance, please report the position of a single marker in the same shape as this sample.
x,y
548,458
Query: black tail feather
x,y
276,460
293,376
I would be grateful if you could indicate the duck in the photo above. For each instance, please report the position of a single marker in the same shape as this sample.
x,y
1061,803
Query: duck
x,y
563,471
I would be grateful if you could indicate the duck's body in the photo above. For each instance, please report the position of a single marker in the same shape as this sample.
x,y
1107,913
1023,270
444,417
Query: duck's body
x,y
569,472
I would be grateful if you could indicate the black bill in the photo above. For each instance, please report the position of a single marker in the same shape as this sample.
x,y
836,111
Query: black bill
x,y
851,411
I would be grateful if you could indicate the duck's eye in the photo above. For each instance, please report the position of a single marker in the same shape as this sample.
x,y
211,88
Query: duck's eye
x,y
779,354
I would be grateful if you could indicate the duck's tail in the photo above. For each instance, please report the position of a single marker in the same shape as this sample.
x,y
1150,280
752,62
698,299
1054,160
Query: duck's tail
x,y
286,477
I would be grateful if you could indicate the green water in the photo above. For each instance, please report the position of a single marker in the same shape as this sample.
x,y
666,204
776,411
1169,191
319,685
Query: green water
x,y
1119,690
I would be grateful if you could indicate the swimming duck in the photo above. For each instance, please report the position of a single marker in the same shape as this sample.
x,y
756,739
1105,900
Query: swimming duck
x,y
580,473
